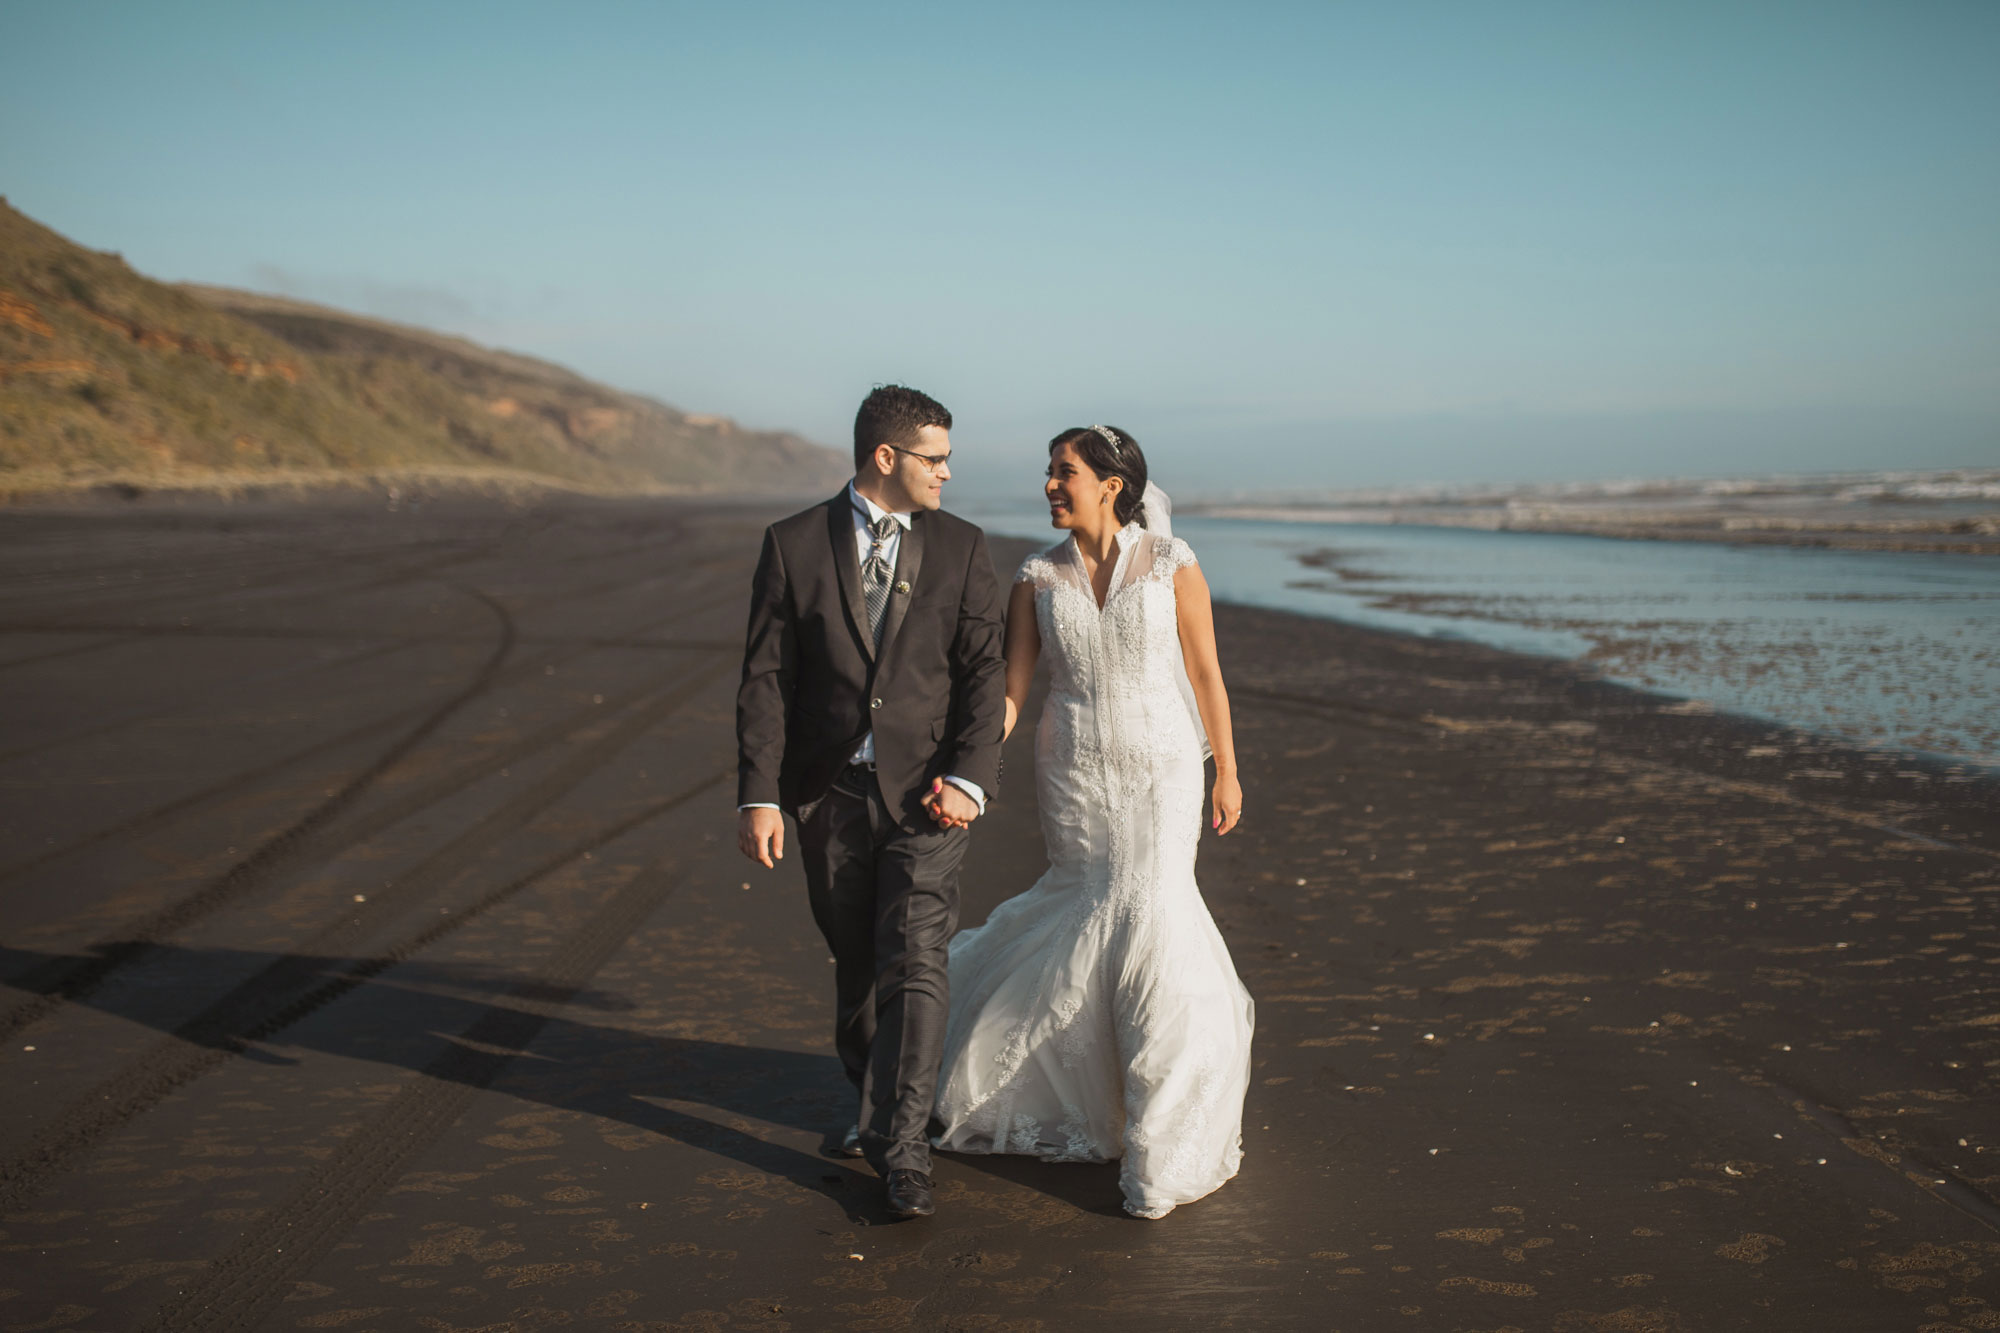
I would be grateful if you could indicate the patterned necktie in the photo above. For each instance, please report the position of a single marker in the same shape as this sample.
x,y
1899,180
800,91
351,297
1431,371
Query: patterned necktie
x,y
875,574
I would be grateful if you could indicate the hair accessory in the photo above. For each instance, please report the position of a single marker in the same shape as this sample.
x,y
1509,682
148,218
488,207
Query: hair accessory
x,y
1110,438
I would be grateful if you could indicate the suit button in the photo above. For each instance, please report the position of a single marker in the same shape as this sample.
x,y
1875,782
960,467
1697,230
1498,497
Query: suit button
x,y
874,703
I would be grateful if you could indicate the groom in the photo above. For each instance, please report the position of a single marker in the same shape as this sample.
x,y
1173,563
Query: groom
x,y
870,711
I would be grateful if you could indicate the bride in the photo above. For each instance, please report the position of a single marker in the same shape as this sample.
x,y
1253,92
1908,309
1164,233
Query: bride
x,y
1097,1016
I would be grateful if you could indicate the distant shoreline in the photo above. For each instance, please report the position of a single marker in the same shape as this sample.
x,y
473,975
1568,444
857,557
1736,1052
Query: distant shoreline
x,y
1977,534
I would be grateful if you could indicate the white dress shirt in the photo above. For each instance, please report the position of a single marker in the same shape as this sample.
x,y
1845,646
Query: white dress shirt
x,y
866,513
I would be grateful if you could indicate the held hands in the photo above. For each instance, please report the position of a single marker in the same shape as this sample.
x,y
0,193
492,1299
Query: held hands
x,y
1228,803
950,806
760,834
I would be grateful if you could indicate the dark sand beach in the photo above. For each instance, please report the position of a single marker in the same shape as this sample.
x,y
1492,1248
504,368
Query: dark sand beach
x,y
377,956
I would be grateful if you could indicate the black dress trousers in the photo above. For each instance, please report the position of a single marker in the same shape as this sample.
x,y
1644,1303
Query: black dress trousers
x,y
886,899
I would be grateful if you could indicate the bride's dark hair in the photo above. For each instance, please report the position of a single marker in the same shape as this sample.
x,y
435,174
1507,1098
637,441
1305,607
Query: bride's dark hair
x,y
1093,444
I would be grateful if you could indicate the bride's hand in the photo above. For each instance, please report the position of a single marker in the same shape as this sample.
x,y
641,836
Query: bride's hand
x,y
1227,800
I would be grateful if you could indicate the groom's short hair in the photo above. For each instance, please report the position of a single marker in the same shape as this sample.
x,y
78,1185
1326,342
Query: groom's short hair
x,y
893,414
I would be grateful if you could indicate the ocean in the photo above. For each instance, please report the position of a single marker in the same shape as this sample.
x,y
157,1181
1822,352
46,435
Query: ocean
x,y
1889,649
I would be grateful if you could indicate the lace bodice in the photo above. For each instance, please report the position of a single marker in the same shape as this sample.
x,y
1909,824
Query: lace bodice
x,y
1125,656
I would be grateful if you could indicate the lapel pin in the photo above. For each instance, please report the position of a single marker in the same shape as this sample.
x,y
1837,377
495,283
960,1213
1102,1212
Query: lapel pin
x,y
903,586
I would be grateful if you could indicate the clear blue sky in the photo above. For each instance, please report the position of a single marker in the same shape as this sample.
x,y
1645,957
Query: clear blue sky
x,y
1316,244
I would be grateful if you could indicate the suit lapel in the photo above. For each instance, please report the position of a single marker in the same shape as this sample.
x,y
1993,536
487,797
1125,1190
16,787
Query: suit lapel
x,y
909,563
840,531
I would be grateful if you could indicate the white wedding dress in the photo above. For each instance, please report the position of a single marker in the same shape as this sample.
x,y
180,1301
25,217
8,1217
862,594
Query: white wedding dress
x,y
1098,1016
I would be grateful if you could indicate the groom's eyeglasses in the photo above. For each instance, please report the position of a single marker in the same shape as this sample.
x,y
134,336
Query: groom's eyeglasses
x,y
931,462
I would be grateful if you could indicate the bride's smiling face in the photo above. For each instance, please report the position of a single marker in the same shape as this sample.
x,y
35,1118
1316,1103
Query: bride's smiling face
x,y
1077,496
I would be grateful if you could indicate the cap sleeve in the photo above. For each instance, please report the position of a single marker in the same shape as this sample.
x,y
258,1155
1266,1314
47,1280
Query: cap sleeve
x,y
1175,555
1038,569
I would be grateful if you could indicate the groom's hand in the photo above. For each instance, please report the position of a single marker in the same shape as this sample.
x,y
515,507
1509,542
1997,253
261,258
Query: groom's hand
x,y
760,834
950,805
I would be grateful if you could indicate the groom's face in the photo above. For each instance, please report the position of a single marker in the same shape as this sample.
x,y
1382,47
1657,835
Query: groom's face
x,y
912,483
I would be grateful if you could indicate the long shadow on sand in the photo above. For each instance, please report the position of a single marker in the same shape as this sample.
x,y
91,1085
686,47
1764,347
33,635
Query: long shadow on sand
x,y
488,1020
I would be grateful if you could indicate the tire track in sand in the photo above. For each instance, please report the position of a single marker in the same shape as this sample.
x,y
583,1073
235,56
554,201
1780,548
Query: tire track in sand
x,y
296,984
56,983
78,979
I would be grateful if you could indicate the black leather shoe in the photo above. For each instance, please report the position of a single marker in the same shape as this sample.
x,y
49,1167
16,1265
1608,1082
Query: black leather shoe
x,y
910,1194
850,1144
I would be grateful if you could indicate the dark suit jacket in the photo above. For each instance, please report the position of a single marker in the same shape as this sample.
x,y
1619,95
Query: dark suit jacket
x,y
813,684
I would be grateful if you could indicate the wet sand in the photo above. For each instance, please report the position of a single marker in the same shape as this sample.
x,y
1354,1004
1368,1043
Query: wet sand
x,y
372,914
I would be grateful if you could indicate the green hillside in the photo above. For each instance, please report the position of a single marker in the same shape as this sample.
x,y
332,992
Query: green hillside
x,y
108,376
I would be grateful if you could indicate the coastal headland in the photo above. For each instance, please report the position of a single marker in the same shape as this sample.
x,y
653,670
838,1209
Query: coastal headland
x,y
114,384
377,957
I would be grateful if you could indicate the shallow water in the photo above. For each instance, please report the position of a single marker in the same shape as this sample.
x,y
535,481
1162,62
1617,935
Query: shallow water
x,y
1892,649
